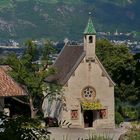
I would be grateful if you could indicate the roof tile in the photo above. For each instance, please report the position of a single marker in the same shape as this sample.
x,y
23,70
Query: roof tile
x,y
8,87
66,63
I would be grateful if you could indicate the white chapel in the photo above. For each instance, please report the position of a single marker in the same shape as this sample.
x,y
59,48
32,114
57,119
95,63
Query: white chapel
x,y
88,89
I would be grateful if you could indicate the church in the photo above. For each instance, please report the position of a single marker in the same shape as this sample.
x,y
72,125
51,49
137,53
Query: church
x,y
88,89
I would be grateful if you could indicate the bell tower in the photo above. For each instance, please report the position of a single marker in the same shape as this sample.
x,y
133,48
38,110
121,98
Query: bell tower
x,y
90,40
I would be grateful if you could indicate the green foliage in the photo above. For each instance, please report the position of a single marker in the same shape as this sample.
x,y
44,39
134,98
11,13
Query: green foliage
x,y
25,73
129,111
124,69
2,61
120,64
138,110
47,51
29,73
117,60
131,135
31,49
118,118
137,74
21,128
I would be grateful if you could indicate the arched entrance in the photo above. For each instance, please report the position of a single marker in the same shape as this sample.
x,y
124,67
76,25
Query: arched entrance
x,y
88,118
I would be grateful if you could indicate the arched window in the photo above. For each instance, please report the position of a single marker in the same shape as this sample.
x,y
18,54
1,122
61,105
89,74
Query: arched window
x,y
90,39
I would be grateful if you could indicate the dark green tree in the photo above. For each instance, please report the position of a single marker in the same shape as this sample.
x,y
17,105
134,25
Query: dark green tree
x,y
122,67
137,73
48,50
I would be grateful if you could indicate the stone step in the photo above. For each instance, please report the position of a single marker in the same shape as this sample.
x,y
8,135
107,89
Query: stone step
x,y
105,126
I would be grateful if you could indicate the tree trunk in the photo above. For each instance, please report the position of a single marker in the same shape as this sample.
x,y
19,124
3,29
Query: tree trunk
x,y
33,110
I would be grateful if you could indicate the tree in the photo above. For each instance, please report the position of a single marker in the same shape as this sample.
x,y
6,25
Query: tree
x,y
118,61
137,74
122,67
47,51
31,74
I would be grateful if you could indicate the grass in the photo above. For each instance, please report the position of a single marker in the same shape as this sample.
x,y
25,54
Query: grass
x,y
131,135
133,132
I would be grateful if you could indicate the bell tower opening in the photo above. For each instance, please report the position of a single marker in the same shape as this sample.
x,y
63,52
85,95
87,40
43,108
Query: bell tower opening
x,y
90,39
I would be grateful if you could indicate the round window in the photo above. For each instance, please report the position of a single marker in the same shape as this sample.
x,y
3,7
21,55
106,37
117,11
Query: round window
x,y
88,93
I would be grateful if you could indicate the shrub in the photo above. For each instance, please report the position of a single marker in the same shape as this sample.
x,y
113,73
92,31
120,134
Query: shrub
x,y
133,135
130,112
118,118
22,128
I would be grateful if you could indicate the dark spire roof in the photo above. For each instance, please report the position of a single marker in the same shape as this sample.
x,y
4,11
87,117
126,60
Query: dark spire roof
x,y
90,30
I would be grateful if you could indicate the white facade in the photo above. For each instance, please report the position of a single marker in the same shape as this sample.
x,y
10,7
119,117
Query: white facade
x,y
89,73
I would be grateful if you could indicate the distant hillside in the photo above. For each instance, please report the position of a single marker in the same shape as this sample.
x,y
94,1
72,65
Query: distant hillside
x,y
57,19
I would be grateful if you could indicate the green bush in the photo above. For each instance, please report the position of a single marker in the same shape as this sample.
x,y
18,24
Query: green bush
x,y
21,128
133,135
130,112
118,118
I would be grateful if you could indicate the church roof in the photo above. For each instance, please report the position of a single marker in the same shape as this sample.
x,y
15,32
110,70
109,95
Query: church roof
x,y
68,60
90,28
8,87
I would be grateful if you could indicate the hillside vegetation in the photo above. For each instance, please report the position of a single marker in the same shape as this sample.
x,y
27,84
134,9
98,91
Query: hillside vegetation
x,y
57,19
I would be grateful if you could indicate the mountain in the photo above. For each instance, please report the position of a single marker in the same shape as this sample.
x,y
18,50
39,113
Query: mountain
x,y
57,19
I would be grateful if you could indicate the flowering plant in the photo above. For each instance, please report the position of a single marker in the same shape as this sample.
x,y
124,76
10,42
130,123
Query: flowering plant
x,y
91,105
